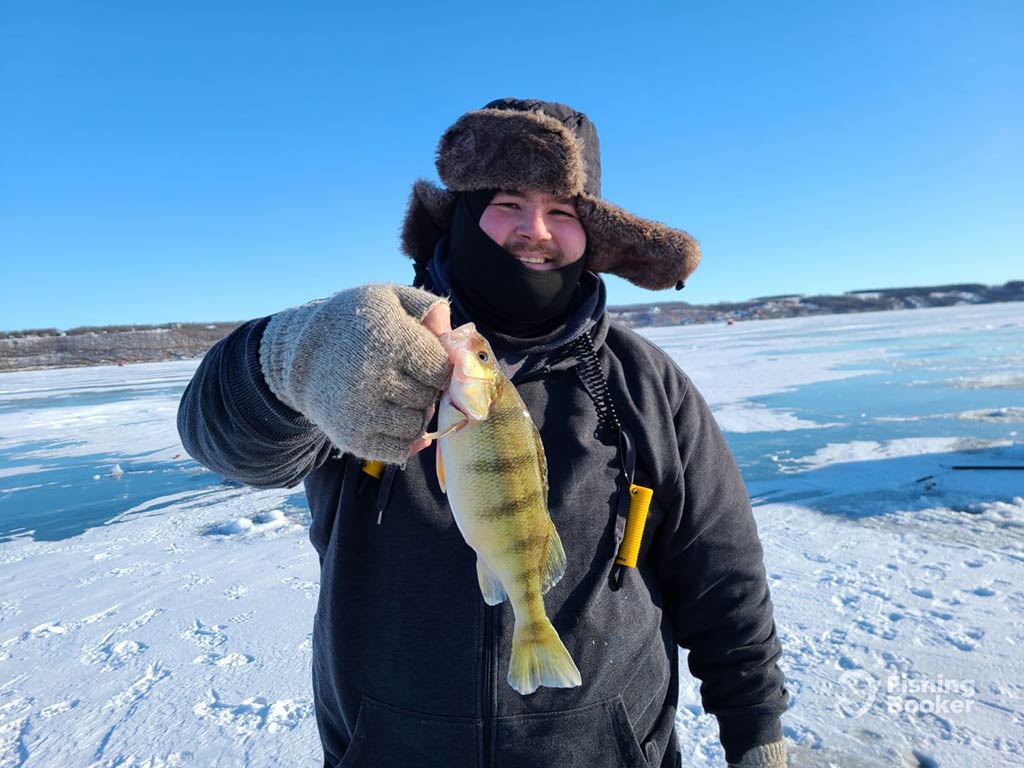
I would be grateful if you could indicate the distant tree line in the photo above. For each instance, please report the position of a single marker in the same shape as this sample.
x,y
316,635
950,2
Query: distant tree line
x,y
112,344
797,305
108,345
81,330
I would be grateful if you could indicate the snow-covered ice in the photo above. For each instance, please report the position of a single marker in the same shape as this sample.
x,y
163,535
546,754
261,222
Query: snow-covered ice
x,y
161,617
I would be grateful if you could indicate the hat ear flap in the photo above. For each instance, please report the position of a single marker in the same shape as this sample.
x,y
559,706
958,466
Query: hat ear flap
x,y
647,253
428,218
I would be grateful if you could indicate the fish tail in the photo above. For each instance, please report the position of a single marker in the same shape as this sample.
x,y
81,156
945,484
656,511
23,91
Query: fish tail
x,y
539,658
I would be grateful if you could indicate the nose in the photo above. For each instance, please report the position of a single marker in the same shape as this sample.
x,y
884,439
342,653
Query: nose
x,y
532,226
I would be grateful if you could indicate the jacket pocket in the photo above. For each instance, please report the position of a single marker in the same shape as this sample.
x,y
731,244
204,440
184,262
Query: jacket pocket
x,y
598,736
391,737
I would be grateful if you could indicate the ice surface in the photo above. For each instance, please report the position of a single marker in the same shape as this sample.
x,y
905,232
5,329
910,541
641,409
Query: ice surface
x,y
170,626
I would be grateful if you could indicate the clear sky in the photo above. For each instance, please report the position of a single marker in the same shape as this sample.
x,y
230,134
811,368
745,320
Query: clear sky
x,y
193,161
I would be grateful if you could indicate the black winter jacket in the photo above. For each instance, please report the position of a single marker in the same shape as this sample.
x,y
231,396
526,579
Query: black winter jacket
x,y
409,664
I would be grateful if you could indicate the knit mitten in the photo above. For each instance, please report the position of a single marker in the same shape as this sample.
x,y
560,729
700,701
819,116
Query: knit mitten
x,y
359,365
766,756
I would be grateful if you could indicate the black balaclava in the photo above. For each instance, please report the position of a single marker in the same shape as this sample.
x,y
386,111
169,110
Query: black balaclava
x,y
496,288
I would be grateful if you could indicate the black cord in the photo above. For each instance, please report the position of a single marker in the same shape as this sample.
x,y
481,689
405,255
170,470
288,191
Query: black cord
x,y
588,367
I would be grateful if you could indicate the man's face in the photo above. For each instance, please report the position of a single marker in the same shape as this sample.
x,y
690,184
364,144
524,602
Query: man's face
x,y
539,229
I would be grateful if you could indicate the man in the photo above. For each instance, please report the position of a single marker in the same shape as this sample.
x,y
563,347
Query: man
x,y
408,661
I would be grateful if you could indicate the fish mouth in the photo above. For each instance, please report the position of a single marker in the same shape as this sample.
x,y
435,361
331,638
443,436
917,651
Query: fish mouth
x,y
452,339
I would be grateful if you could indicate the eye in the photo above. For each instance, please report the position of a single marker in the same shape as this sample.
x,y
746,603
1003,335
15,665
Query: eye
x,y
483,357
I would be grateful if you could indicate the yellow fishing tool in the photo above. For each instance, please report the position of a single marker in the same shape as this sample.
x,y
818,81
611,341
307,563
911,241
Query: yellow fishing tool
x,y
374,468
639,504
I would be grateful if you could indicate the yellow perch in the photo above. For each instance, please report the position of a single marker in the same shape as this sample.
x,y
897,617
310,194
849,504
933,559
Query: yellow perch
x,y
491,463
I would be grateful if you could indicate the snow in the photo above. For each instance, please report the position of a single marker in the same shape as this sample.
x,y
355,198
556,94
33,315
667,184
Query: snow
x,y
753,417
174,628
108,429
993,414
870,450
994,381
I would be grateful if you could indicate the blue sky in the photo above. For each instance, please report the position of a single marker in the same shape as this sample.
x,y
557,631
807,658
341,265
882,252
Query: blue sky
x,y
218,161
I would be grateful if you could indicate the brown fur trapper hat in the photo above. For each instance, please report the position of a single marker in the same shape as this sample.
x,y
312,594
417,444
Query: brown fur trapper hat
x,y
516,144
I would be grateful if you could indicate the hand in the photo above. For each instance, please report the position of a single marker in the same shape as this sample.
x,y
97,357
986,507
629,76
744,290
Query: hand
x,y
437,321
361,366
766,756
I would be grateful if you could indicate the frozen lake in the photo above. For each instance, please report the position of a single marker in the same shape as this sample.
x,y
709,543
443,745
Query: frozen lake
x,y
152,614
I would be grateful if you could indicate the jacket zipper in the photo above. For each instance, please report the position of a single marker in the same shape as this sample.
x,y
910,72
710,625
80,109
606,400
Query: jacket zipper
x,y
488,680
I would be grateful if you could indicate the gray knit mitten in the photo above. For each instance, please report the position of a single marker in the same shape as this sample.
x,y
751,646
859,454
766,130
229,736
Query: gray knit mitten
x,y
359,365
766,756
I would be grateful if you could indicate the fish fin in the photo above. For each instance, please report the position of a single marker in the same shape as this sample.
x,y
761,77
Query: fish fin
x,y
539,658
439,462
554,563
490,585
450,431
542,460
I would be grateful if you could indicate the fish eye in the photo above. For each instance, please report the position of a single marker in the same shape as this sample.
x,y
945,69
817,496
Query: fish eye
x,y
483,357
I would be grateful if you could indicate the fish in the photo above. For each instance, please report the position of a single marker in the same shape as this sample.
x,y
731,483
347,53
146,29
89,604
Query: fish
x,y
491,464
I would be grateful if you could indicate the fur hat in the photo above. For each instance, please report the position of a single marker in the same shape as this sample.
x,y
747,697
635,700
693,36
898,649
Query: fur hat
x,y
514,144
